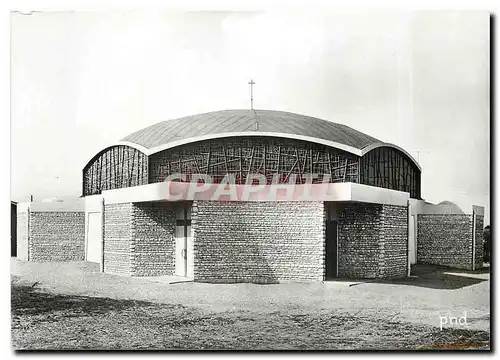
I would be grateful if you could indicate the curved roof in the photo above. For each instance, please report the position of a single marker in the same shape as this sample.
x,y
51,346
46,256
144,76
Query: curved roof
x,y
450,207
244,120
226,123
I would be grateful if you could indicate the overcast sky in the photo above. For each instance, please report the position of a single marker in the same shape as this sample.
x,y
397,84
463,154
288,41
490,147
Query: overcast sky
x,y
82,81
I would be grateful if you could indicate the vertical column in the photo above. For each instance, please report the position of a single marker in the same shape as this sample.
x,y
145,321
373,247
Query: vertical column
x,y
28,242
473,239
408,237
102,235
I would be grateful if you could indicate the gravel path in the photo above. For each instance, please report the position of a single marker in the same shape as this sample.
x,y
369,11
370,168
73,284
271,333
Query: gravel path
x,y
420,300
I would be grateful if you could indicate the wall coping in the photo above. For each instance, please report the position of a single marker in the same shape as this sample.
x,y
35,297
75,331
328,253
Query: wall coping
x,y
63,206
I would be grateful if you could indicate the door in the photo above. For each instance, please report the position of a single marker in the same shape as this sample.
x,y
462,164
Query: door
x,y
94,237
331,242
182,235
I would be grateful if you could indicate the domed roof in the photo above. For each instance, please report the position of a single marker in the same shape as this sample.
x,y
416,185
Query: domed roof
x,y
450,207
236,121
226,123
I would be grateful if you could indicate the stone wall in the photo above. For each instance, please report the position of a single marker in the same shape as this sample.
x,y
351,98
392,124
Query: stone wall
x,y
479,249
139,239
118,239
372,241
359,229
264,242
445,239
56,236
394,241
153,242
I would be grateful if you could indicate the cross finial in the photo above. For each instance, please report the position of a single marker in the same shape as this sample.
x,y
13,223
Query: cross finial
x,y
251,83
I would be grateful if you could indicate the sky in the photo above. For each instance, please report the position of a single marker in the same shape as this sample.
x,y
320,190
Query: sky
x,y
81,81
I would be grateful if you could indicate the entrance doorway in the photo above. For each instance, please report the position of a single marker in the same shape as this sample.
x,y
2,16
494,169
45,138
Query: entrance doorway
x,y
331,244
182,237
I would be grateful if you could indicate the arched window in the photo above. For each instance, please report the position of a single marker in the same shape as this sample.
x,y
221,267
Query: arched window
x,y
269,156
113,168
391,169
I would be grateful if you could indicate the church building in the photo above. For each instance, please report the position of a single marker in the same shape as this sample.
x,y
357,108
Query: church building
x,y
255,196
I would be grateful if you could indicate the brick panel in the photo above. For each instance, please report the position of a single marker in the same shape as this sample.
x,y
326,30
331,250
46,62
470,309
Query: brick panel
x,y
359,248
445,239
372,241
118,238
265,242
394,241
479,242
153,242
56,236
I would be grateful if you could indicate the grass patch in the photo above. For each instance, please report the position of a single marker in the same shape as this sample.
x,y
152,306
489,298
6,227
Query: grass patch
x,y
42,320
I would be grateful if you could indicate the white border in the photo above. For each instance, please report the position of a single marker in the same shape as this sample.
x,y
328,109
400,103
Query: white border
x,y
26,5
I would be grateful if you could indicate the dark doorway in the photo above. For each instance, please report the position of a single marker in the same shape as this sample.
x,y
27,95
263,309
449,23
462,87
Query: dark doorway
x,y
331,259
13,229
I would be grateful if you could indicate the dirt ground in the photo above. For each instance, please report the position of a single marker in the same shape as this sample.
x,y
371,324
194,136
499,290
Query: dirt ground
x,y
74,306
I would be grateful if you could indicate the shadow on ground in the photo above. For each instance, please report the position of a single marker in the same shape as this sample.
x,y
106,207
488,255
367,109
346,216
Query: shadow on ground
x,y
434,277
48,321
28,300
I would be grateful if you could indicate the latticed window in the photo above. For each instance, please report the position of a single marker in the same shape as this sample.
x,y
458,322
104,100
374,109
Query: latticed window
x,y
113,168
240,156
390,168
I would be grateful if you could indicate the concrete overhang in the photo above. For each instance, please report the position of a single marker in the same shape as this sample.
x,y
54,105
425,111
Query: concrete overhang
x,y
184,191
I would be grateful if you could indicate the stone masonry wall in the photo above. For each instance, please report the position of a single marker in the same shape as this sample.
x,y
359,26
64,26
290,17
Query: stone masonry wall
x,y
445,239
22,236
372,241
57,236
479,250
118,239
394,241
264,242
359,230
153,242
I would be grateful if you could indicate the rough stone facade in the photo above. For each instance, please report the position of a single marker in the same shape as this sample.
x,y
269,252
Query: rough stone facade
x,y
394,241
153,242
264,242
445,239
479,249
372,241
118,239
359,229
139,239
52,236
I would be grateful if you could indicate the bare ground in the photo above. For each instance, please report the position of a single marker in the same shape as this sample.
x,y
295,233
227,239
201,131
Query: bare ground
x,y
73,306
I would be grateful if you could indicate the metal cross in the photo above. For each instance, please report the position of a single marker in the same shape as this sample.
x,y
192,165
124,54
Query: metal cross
x,y
251,83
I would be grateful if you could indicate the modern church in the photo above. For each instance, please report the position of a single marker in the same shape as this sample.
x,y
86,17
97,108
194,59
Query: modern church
x,y
145,211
